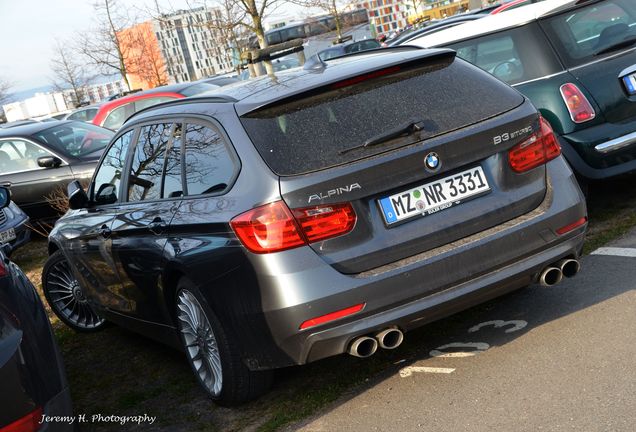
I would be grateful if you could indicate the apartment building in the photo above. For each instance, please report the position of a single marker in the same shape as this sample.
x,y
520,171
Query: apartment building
x,y
385,15
191,47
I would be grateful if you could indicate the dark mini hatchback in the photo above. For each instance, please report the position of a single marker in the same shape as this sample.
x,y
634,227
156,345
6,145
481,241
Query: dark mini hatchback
x,y
576,61
328,209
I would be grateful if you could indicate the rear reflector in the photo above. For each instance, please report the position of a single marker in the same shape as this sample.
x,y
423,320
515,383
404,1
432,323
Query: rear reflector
x,y
571,227
332,316
3,270
273,227
540,148
28,423
578,106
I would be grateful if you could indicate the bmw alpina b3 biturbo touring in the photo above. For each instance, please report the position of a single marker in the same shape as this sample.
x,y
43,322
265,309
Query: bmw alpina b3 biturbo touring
x,y
325,210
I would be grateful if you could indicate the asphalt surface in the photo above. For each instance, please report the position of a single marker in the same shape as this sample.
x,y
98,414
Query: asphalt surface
x,y
543,359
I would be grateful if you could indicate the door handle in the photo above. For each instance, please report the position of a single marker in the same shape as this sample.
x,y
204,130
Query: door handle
x,y
157,225
104,231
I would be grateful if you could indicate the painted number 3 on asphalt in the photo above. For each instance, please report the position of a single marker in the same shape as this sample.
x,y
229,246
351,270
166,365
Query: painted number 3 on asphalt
x,y
464,349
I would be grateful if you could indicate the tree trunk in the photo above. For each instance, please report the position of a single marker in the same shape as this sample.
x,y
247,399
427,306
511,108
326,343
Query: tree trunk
x,y
336,15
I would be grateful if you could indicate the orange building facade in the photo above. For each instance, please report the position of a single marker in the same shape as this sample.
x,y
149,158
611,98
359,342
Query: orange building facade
x,y
145,65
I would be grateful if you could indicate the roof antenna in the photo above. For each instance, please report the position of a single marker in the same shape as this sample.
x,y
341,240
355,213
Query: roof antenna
x,y
315,63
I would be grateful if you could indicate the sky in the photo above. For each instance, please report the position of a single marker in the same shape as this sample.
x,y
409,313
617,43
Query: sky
x,y
29,28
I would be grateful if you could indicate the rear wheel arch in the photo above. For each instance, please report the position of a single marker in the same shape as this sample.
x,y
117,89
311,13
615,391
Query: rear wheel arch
x,y
52,248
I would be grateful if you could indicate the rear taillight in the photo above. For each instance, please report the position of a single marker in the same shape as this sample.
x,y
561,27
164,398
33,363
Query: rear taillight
x,y
273,227
28,423
540,148
578,106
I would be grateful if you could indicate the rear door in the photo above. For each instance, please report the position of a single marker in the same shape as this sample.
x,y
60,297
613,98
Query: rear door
x,y
453,161
597,43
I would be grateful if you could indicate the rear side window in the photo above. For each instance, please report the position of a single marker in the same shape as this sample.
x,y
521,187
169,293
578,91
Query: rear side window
x,y
118,116
144,182
210,167
585,33
513,56
315,132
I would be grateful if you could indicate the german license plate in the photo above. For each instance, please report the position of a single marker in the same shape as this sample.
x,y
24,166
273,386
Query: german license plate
x,y
8,235
434,196
630,83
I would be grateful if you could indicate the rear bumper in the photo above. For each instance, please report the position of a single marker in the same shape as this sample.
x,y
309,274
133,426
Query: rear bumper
x,y
602,151
297,285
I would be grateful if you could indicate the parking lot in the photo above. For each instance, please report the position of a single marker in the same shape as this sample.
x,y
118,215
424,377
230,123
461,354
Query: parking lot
x,y
547,359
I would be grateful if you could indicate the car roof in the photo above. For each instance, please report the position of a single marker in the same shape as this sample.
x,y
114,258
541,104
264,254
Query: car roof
x,y
493,23
262,91
30,128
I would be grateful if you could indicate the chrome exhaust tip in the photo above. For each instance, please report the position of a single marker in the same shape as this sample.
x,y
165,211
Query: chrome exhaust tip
x,y
363,347
569,267
550,276
390,338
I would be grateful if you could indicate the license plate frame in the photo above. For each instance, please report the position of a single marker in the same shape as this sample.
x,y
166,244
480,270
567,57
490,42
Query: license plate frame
x,y
410,205
7,235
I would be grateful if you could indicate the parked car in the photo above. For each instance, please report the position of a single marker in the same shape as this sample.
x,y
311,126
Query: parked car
x,y
323,211
112,114
38,158
31,368
576,62
85,114
512,4
220,80
13,226
12,124
348,48
432,27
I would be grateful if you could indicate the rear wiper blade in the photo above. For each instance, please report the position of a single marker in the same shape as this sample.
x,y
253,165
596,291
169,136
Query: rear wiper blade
x,y
402,130
618,45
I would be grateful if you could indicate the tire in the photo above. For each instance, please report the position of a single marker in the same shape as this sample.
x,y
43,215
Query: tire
x,y
219,370
66,298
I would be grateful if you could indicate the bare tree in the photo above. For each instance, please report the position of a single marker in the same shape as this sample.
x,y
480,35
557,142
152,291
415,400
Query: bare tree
x,y
68,73
146,61
102,47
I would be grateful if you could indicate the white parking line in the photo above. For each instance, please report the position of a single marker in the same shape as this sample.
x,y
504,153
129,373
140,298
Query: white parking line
x,y
408,371
615,251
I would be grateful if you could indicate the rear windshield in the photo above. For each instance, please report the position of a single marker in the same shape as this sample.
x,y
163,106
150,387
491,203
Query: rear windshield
x,y
514,56
593,31
312,133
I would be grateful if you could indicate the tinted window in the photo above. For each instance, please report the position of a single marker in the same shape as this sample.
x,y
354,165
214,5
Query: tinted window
x,y
79,115
146,170
209,166
313,133
107,180
18,155
581,33
76,139
118,116
173,185
513,56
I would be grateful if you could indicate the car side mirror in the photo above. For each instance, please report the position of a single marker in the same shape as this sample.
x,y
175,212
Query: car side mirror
x,y
49,161
77,198
5,197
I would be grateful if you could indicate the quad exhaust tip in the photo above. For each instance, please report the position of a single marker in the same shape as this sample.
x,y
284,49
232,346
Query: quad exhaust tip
x,y
390,338
363,347
550,276
569,267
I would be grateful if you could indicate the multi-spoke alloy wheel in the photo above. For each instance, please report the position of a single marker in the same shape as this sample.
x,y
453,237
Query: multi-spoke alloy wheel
x,y
200,343
65,296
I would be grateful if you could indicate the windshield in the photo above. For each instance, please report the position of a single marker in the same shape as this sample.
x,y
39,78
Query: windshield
x,y
583,34
75,139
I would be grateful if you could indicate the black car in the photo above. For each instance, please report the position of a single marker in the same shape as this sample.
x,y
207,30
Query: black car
x,y
32,379
14,229
349,48
39,158
326,210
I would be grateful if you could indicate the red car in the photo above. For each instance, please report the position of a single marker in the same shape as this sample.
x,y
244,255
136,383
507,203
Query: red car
x,y
512,5
113,114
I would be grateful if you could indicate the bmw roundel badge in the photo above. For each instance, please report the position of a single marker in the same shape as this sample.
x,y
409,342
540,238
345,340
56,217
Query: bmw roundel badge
x,y
432,162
